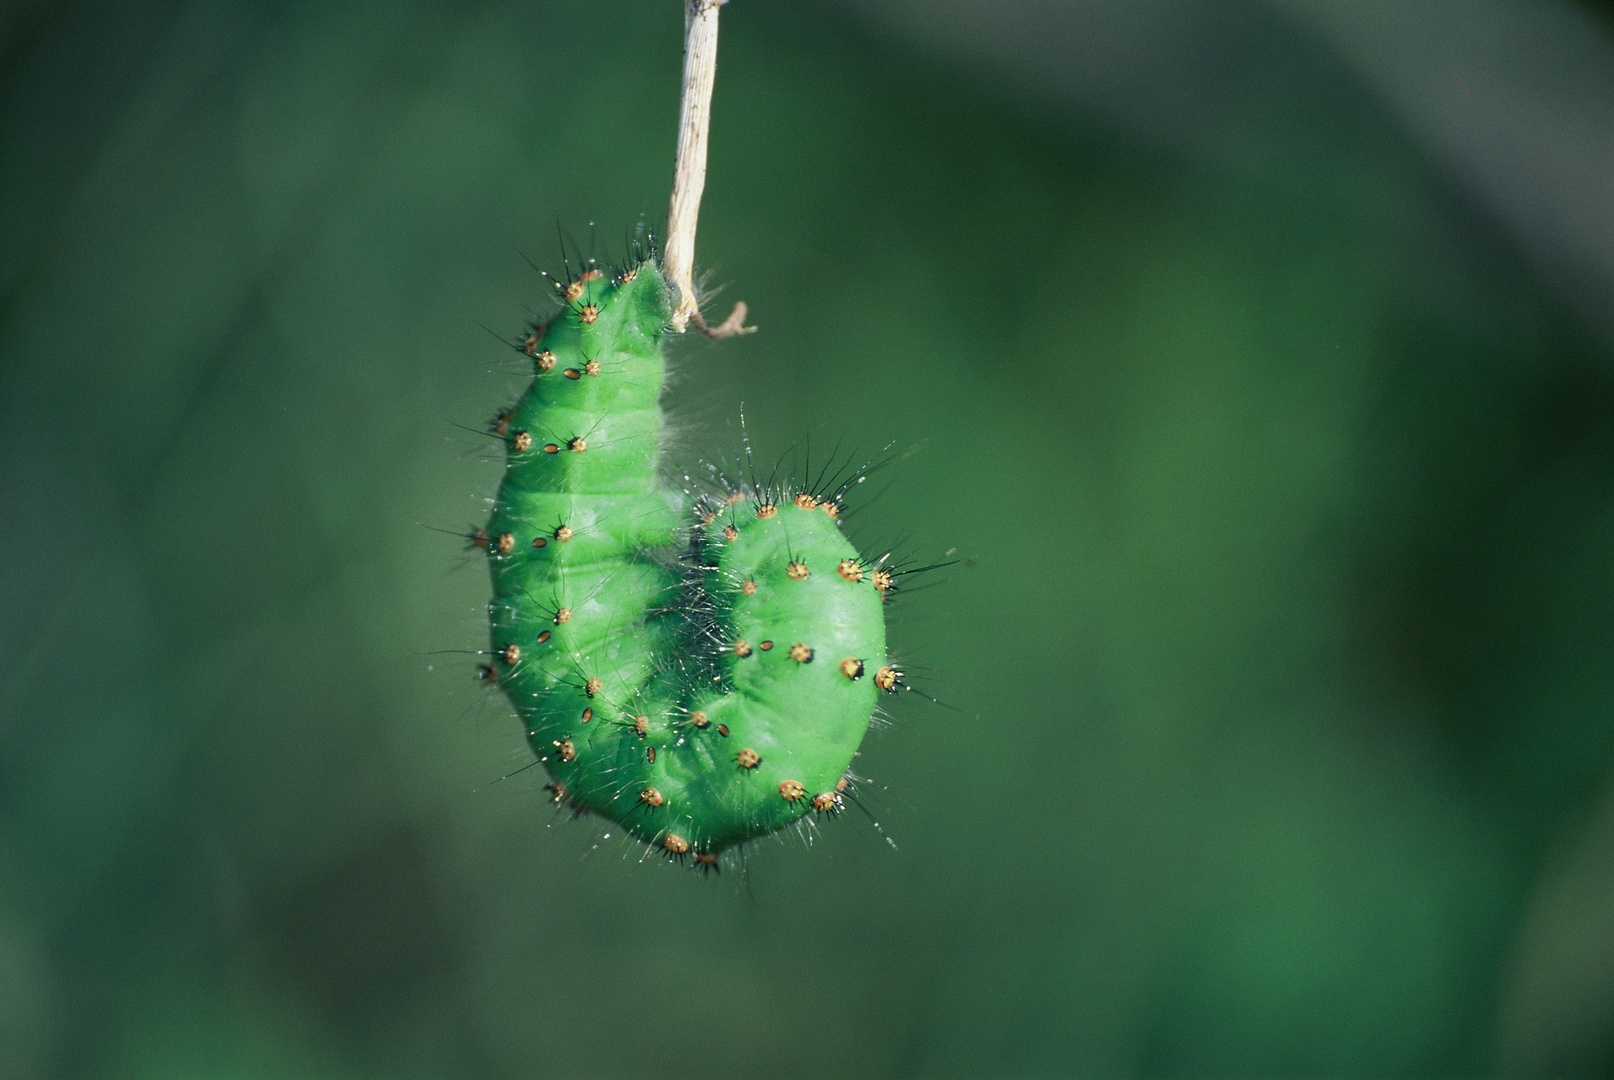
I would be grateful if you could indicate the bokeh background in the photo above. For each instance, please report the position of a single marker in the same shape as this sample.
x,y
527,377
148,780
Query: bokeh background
x,y
1258,357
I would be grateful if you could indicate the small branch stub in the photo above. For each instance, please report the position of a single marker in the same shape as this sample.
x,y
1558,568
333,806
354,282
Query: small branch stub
x,y
689,175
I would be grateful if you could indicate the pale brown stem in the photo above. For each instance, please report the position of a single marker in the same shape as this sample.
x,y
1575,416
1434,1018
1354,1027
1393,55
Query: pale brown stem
x,y
689,175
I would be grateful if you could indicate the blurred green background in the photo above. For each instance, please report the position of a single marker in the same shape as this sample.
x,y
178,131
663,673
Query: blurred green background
x,y
1259,363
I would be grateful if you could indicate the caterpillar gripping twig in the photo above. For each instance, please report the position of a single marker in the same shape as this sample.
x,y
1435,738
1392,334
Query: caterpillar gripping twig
x,y
698,705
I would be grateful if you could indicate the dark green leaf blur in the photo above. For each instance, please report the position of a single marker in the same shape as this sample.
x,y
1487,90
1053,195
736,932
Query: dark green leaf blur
x,y
1253,363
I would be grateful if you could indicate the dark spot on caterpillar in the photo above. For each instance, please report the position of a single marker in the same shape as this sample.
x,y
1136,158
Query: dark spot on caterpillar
x,y
699,719
486,673
577,445
730,533
801,654
572,373
641,726
852,668
592,367
567,749
501,423
851,570
546,361
675,844
563,616
588,313
792,790
506,543
766,510
564,533
539,542
510,653
477,539
651,797
886,678
522,442
557,792
706,861
592,687
826,802
529,344
575,289
588,714
723,730
749,588
543,636
766,646
748,758
650,754
796,571
742,649
806,501
551,448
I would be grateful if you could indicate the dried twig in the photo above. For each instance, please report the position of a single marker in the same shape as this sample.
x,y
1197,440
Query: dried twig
x,y
689,176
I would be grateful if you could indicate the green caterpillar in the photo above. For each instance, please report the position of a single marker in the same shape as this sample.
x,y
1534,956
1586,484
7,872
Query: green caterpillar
x,y
701,701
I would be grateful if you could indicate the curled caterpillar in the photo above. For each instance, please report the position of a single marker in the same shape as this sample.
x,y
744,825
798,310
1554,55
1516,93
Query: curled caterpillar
x,y
701,701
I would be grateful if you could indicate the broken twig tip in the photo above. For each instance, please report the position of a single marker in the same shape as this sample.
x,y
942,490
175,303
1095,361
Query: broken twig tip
x,y
732,326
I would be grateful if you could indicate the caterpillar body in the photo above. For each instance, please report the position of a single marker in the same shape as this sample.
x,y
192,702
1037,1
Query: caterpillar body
x,y
700,669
